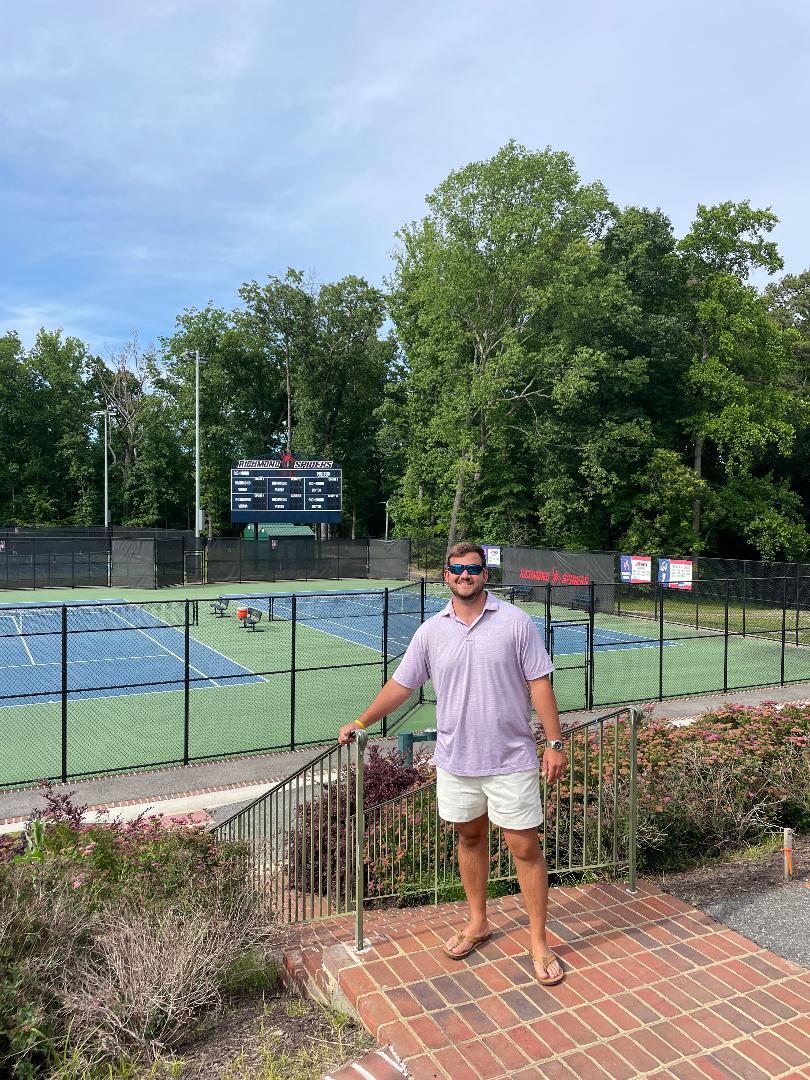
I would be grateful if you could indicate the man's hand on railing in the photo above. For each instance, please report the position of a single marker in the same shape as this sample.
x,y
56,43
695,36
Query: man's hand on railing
x,y
555,765
347,733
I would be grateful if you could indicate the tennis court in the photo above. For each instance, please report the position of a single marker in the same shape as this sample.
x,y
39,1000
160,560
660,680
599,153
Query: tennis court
x,y
363,622
144,653
112,685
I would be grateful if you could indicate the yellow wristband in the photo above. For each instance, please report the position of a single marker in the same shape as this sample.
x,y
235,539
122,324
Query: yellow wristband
x,y
363,726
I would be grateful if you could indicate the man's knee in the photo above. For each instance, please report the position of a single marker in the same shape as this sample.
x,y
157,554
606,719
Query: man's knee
x,y
472,833
524,844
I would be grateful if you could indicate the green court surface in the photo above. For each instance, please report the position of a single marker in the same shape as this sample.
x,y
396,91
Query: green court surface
x,y
336,677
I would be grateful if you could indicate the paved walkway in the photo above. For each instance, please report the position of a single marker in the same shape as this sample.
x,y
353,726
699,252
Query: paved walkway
x,y
655,988
224,785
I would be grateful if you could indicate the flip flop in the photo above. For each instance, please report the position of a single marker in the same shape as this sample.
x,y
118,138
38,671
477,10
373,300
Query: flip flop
x,y
543,963
472,943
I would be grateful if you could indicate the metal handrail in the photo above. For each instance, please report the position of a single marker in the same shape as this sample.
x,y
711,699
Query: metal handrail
x,y
312,844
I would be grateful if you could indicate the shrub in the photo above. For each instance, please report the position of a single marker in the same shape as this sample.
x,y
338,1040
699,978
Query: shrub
x,y
731,775
115,938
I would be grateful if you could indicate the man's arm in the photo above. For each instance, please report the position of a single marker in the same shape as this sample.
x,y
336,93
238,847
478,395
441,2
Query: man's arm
x,y
392,695
544,703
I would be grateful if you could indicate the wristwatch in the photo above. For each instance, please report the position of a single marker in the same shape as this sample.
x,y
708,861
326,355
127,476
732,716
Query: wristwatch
x,y
555,744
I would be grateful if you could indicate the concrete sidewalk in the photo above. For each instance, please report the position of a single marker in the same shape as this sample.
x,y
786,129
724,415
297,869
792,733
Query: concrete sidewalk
x,y
221,785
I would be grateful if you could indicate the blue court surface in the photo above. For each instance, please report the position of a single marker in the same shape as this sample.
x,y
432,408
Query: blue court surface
x,y
143,655
359,618
146,654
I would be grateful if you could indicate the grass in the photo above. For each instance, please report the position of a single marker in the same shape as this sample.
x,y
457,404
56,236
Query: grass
x,y
336,677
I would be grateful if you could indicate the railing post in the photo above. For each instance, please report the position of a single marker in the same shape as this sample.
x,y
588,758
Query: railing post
x,y
635,716
360,843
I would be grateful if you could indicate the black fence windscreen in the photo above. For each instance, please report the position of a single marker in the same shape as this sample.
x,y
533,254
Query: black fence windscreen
x,y
133,563
31,562
304,558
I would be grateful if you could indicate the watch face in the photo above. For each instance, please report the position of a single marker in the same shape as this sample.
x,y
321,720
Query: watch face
x,y
556,744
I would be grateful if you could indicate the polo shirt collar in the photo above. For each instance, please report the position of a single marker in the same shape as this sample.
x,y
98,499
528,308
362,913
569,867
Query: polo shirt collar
x,y
491,603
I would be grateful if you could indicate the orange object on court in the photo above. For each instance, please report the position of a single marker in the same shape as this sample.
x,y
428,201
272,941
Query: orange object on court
x,y
241,613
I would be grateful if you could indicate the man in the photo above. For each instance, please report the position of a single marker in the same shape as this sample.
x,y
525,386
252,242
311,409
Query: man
x,y
489,667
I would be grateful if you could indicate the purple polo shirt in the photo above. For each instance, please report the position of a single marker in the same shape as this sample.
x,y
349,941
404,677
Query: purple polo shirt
x,y
483,711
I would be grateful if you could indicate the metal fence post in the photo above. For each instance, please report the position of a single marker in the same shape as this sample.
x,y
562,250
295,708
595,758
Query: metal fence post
x,y
784,630
360,841
64,693
293,615
725,642
659,599
744,594
635,716
186,683
385,652
591,659
422,588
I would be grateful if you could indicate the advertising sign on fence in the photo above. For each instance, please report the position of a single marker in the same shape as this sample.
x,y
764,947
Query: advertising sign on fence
x,y
675,573
493,555
635,569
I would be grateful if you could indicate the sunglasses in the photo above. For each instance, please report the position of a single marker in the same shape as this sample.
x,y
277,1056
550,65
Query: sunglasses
x,y
472,568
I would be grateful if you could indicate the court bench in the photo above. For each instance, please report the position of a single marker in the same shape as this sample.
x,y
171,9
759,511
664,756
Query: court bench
x,y
249,617
219,607
580,603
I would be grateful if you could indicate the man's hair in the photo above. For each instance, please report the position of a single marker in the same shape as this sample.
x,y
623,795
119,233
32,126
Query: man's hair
x,y
466,547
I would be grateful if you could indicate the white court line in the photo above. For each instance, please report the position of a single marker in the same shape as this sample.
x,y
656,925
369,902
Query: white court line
x,y
160,645
21,635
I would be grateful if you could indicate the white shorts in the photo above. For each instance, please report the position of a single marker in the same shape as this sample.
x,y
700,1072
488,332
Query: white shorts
x,y
511,801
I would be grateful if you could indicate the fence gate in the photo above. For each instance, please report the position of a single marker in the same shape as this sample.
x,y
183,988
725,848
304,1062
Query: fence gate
x,y
569,646
194,568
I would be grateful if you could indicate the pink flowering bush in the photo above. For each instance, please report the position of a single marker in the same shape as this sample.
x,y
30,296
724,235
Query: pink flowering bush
x,y
715,784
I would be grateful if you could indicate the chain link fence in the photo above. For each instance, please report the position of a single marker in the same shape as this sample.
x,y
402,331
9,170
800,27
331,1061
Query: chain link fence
x,y
90,688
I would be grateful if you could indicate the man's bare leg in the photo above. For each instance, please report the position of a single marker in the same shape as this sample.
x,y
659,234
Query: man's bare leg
x,y
473,865
533,880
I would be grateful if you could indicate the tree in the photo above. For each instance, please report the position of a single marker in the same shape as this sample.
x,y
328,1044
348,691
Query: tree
x,y
470,291
739,407
64,465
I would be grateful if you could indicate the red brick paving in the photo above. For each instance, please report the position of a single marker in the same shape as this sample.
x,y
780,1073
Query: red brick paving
x,y
654,989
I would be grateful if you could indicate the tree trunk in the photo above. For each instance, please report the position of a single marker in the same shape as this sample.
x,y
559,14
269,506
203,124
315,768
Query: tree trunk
x,y
699,451
451,539
698,471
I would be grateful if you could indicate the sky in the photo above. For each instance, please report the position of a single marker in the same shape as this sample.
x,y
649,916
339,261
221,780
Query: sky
x,y
156,154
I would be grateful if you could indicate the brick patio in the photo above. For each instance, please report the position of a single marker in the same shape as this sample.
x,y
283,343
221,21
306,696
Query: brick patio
x,y
655,988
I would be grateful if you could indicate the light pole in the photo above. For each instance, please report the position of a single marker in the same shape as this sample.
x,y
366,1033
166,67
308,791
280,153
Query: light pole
x,y
106,414
198,525
385,504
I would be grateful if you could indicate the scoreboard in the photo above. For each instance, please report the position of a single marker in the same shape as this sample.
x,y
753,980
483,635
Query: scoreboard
x,y
284,490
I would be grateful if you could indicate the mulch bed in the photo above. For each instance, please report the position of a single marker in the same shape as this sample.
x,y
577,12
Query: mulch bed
x,y
704,886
